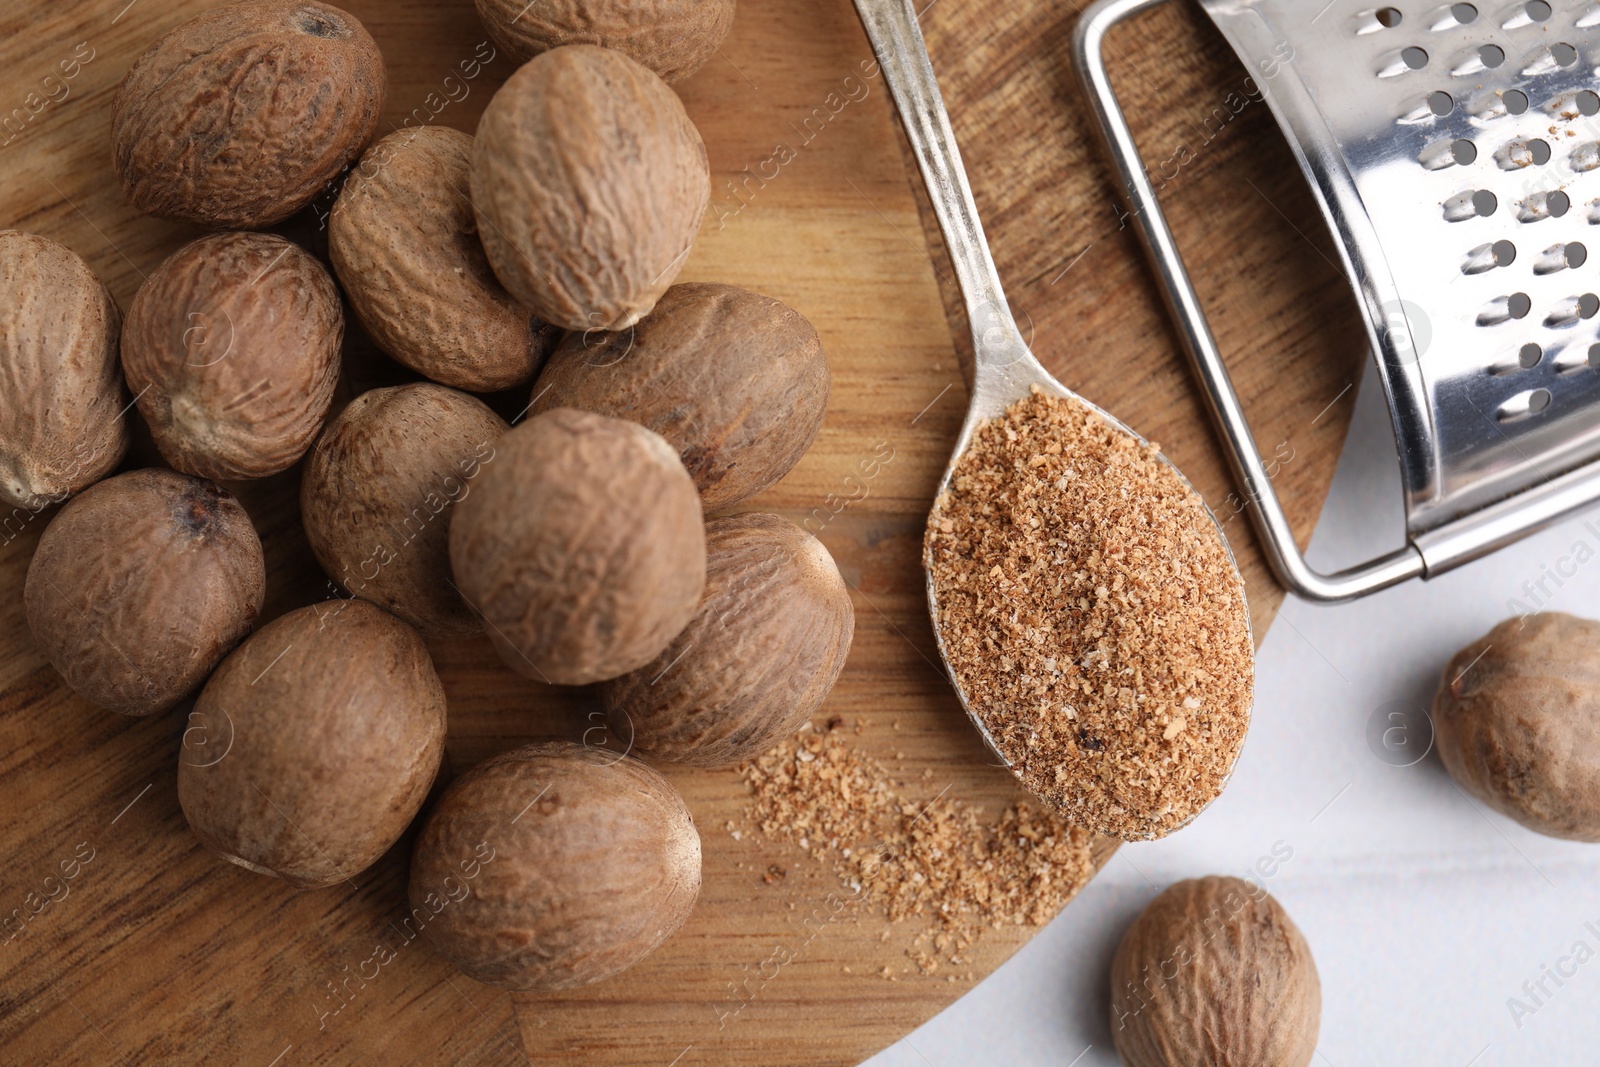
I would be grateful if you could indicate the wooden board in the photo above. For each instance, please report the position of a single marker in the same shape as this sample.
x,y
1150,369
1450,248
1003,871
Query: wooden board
x,y
158,953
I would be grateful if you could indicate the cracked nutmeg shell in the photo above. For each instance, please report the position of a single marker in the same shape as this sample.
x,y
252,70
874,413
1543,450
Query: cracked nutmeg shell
x,y
582,545
404,243
378,491
232,348
63,409
1214,973
1517,722
674,38
589,182
141,585
314,744
736,382
553,866
760,656
239,117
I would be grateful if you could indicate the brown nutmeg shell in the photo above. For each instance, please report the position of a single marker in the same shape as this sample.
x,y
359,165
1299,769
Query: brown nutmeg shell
x,y
141,585
760,656
1214,972
232,348
404,242
239,117
1517,722
582,546
63,409
320,736
589,182
378,491
554,866
736,382
674,38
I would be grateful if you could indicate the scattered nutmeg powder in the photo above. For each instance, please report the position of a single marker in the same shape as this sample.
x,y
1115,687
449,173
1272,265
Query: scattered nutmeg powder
x,y
937,860
1092,618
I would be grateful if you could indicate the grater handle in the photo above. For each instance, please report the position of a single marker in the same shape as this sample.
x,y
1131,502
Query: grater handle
x,y
1271,524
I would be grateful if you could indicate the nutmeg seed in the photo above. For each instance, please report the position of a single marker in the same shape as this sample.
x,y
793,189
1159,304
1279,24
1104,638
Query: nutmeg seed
x,y
674,38
63,409
232,347
239,117
141,585
736,382
1517,723
322,734
405,245
582,545
378,491
1213,972
554,866
589,182
759,657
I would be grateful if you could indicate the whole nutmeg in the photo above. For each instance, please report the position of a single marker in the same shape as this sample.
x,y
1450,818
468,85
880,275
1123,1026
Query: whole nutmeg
x,y
141,585
314,744
1517,722
63,410
378,491
554,866
232,349
582,546
736,382
1214,973
674,38
589,182
239,117
761,654
405,245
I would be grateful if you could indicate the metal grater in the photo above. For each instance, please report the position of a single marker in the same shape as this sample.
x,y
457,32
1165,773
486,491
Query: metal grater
x,y
1455,152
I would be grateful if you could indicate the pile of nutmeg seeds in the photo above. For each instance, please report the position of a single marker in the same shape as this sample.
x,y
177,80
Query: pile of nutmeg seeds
x,y
538,255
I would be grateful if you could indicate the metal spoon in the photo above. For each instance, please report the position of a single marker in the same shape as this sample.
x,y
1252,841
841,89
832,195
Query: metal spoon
x,y
1004,369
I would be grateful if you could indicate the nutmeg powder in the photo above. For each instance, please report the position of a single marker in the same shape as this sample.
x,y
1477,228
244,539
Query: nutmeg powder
x,y
936,860
1091,615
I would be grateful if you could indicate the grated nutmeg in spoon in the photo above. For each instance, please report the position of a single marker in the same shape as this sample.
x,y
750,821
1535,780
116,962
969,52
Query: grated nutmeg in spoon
x,y
1084,599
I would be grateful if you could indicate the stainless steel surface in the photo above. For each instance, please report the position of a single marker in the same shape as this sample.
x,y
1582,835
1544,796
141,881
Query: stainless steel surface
x,y
1004,368
1452,149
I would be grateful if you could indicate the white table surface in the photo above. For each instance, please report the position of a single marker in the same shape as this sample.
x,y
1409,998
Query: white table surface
x,y
1425,911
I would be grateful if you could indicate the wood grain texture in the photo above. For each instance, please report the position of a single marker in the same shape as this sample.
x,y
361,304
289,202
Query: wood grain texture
x,y
159,953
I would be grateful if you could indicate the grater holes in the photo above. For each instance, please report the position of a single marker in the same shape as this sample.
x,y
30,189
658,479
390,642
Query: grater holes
x,y
1550,205
1524,404
1529,355
1487,257
1573,310
1548,59
1516,101
1477,60
1561,257
1387,17
1464,14
1442,154
1441,103
1527,14
1594,356
1470,204
1504,309
1588,103
1407,59
1530,152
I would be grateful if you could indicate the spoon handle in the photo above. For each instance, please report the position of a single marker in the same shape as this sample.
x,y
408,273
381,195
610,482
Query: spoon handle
x,y
897,41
